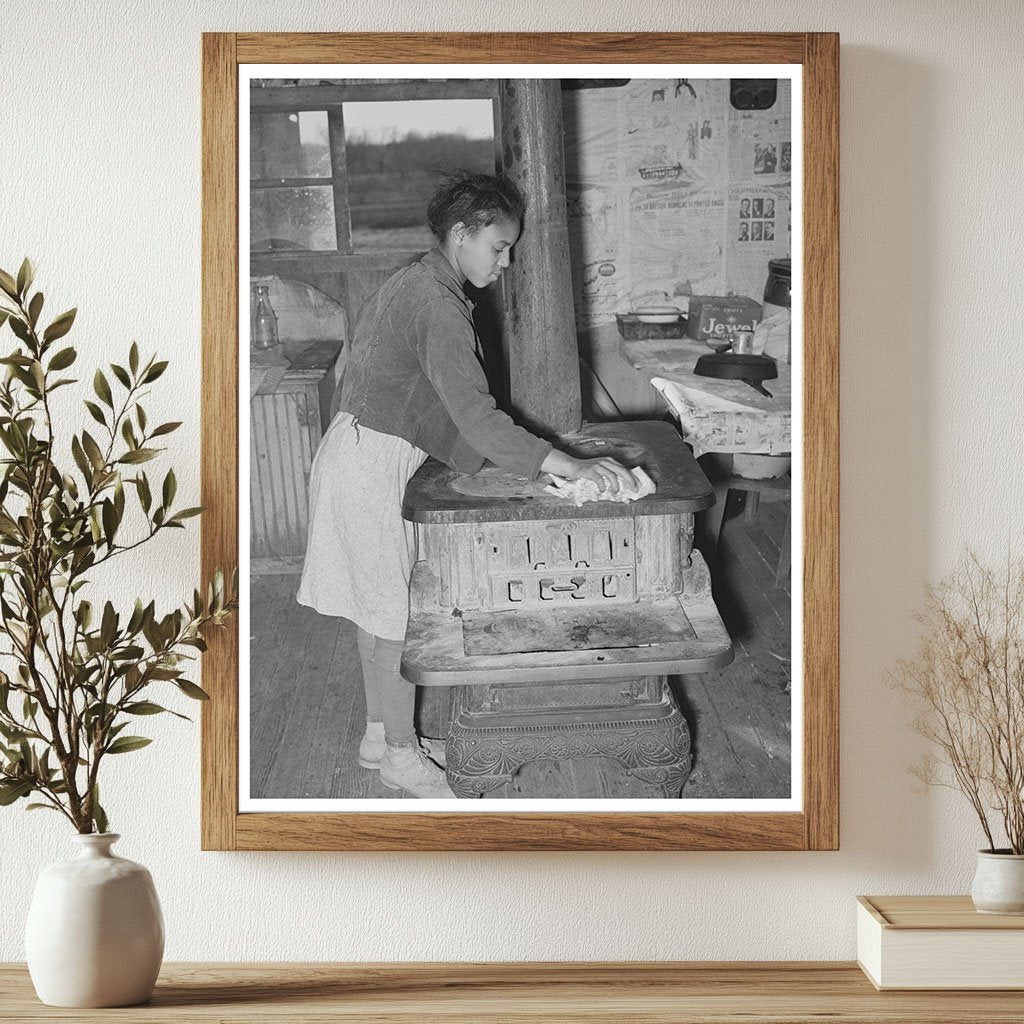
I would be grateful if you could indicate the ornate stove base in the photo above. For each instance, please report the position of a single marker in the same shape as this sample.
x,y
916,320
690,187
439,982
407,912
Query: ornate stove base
x,y
497,729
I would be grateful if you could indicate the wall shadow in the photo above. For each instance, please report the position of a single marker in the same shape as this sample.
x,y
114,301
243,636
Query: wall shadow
x,y
887,322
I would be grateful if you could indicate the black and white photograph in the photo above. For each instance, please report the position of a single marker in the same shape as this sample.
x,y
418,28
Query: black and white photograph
x,y
784,159
523,517
765,158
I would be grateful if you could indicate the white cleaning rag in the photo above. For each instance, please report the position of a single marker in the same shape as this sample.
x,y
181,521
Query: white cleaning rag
x,y
582,491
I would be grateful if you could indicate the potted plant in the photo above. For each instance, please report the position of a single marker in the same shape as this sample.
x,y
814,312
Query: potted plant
x,y
967,680
78,671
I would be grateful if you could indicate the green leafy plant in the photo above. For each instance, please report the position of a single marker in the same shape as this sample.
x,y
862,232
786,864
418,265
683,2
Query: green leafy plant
x,y
78,673
967,682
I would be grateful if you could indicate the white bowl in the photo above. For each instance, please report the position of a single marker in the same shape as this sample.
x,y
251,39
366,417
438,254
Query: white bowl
x,y
657,314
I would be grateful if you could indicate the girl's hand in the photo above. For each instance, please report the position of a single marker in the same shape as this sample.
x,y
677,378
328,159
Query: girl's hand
x,y
607,473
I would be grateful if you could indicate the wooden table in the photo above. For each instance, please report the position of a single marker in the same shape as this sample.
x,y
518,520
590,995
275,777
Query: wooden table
x,y
714,415
665,993
726,416
720,419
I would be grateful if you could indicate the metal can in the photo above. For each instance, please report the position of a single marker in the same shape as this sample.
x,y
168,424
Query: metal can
x,y
743,343
777,299
776,289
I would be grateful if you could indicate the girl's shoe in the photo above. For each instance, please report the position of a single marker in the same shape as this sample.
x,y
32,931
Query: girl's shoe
x,y
410,769
372,747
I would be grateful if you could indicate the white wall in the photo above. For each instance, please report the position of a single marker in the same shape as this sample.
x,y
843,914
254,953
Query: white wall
x,y
100,183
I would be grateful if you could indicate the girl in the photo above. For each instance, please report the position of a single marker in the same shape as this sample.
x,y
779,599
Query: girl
x,y
414,386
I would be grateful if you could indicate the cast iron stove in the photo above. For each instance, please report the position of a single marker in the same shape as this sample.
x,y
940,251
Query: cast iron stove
x,y
558,625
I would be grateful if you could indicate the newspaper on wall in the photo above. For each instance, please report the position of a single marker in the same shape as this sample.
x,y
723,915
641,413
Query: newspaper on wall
x,y
662,177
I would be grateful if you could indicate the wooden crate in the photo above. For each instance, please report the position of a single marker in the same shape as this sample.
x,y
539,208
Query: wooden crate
x,y
287,420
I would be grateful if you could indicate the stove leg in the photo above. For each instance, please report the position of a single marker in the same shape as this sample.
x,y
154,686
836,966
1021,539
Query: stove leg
x,y
671,779
466,788
476,766
478,760
658,752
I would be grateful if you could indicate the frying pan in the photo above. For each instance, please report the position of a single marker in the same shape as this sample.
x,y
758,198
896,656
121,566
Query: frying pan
x,y
732,366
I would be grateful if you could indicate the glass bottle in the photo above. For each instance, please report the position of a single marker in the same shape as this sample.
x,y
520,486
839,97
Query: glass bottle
x,y
264,321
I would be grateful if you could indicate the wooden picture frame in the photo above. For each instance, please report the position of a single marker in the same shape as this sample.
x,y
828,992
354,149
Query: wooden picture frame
x,y
816,826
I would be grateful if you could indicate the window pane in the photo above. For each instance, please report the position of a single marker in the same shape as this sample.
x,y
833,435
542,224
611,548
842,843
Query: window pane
x,y
293,145
292,218
395,152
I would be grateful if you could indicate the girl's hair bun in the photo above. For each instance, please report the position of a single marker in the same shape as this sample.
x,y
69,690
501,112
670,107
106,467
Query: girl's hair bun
x,y
474,199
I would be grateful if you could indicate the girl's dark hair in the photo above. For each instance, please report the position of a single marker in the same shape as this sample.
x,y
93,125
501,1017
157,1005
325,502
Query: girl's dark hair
x,y
474,199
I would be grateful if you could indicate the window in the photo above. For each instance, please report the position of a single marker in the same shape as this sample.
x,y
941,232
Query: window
x,y
292,194
349,167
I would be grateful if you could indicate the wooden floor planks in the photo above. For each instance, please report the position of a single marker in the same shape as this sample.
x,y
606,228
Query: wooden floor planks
x,y
746,751
308,709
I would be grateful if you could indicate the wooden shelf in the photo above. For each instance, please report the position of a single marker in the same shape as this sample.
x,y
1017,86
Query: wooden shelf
x,y
621,993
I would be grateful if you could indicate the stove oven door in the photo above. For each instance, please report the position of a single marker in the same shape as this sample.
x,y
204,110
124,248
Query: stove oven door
x,y
671,634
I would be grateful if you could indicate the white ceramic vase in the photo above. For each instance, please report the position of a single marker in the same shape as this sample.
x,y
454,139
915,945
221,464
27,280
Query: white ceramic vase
x,y
95,934
999,883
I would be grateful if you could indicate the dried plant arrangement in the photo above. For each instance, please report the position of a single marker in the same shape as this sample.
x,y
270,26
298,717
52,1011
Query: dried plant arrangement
x,y
967,680
78,672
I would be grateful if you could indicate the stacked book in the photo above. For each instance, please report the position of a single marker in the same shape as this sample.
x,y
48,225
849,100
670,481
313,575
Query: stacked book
x,y
938,942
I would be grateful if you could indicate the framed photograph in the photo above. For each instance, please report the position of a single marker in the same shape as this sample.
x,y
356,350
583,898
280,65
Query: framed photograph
x,y
534,495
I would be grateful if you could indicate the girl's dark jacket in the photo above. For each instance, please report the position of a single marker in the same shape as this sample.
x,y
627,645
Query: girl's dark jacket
x,y
414,371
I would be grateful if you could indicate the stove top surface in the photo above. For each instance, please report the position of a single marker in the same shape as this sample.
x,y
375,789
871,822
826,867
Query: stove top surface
x,y
437,494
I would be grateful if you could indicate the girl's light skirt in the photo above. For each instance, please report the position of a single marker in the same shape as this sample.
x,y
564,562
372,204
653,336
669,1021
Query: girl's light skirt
x,y
360,551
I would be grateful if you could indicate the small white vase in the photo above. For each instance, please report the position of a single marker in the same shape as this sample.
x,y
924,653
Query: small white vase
x,y
95,934
999,883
